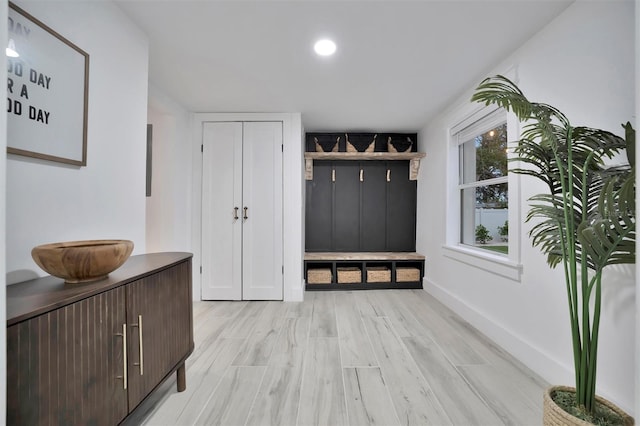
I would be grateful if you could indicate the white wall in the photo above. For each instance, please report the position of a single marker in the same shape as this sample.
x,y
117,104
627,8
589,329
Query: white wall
x,y
582,63
49,202
168,207
168,215
3,168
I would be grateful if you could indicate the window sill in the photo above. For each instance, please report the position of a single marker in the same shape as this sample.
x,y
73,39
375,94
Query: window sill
x,y
493,263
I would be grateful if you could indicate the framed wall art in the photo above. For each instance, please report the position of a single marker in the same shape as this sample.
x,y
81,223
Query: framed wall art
x,y
47,92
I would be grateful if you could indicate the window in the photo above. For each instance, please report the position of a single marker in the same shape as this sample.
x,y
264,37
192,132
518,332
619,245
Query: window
x,y
483,188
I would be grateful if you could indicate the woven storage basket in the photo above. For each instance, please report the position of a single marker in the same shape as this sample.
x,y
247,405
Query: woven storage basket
x,y
378,274
554,415
319,276
349,275
404,274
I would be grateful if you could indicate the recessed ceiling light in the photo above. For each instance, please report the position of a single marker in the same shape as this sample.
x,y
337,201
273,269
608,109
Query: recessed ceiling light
x,y
325,47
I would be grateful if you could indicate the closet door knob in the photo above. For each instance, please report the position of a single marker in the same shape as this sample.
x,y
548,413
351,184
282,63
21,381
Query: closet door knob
x,y
245,213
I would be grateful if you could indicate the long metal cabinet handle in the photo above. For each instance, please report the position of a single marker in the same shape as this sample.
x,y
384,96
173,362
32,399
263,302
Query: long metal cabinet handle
x,y
388,175
333,175
245,213
361,175
141,363
235,213
124,356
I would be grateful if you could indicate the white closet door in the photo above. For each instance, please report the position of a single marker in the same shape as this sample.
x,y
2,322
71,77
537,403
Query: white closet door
x,y
221,193
262,196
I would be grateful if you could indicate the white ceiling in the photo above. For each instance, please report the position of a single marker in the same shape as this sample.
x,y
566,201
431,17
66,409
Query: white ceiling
x,y
398,62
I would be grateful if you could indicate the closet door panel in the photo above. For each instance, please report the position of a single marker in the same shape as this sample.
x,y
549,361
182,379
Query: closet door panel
x,y
373,211
401,208
221,194
319,205
346,207
262,275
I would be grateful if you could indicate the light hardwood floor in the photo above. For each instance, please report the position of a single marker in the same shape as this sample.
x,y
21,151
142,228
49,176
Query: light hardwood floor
x,y
386,357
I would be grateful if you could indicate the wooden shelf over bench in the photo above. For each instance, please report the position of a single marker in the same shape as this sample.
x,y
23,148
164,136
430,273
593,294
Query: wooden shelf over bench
x,y
362,260
413,157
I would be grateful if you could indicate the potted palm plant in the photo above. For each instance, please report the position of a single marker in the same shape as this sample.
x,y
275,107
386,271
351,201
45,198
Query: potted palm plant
x,y
585,222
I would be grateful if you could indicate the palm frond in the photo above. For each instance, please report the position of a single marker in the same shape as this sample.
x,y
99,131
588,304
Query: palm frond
x,y
609,236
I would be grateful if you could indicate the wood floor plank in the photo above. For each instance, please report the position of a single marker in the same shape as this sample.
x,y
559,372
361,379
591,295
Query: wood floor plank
x,y
355,348
262,337
323,320
322,400
279,395
401,319
505,394
368,399
440,331
414,401
246,320
224,308
300,309
207,337
449,385
203,378
292,342
278,398
368,305
230,403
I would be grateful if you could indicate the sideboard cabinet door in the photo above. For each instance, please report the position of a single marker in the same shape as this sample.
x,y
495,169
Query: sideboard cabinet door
x,y
160,328
66,366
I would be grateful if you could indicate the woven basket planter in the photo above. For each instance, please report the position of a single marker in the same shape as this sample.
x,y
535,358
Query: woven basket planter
x,y
554,415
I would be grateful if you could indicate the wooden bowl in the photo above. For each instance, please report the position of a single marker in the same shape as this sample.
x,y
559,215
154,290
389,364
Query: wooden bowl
x,y
82,261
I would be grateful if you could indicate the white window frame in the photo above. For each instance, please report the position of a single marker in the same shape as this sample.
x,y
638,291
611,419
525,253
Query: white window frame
x,y
493,119
472,119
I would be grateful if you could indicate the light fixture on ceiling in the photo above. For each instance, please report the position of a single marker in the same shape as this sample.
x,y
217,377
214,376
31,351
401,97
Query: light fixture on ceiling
x,y
11,49
325,47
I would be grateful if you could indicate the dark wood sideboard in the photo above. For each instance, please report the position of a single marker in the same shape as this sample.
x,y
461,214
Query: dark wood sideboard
x,y
91,353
